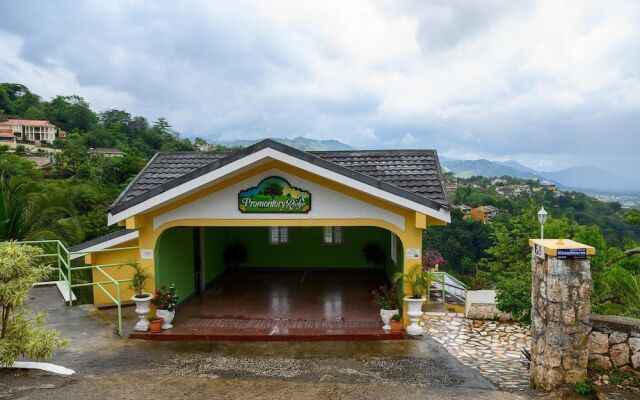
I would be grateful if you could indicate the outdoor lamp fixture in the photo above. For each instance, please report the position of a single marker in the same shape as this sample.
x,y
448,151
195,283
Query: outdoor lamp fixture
x,y
542,218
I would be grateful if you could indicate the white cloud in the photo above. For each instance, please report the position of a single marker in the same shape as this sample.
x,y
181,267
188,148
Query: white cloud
x,y
534,80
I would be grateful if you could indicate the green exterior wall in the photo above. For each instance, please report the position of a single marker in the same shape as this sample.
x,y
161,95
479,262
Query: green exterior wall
x,y
215,241
306,248
174,260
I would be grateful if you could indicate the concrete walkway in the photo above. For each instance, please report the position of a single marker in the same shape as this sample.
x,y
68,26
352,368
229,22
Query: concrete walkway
x,y
112,367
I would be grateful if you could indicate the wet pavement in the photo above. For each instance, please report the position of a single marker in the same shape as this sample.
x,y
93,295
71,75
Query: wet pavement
x,y
109,366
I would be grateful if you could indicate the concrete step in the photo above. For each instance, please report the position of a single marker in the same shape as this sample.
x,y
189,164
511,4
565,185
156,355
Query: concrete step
x,y
63,287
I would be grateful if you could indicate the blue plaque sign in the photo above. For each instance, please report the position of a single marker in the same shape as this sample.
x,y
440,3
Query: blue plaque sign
x,y
571,253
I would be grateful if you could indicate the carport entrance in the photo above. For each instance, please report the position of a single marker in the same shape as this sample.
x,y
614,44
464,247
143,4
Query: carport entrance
x,y
275,282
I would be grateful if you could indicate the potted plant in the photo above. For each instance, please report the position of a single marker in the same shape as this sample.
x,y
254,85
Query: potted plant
x,y
431,260
386,298
419,280
396,323
155,324
235,254
142,300
374,254
165,302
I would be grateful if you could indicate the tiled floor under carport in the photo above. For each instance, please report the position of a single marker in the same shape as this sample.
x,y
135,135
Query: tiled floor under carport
x,y
291,304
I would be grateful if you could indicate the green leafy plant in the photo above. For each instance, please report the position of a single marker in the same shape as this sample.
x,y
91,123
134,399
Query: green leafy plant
x,y
582,388
418,279
21,335
138,279
154,318
396,317
235,254
166,299
513,295
374,254
385,297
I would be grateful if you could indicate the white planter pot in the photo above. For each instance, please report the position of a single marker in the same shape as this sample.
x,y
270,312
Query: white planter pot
x,y
414,311
386,315
142,309
168,317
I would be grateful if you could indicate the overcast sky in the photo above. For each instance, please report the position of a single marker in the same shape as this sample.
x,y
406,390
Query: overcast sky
x,y
549,83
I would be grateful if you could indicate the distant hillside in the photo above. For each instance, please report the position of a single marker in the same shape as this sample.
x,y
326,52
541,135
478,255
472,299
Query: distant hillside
x,y
299,143
581,178
468,168
590,177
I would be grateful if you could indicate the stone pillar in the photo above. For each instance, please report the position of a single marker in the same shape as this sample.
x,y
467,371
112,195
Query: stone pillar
x,y
560,308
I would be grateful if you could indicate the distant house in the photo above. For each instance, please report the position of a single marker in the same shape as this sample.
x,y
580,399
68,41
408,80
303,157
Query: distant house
x,y
106,151
548,185
31,130
6,136
466,210
451,188
484,213
513,190
498,181
506,191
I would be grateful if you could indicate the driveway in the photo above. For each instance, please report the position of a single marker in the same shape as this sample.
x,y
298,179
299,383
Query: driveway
x,y
108,366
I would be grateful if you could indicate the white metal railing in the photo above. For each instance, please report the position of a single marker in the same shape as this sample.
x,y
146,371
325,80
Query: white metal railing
x,y
447,284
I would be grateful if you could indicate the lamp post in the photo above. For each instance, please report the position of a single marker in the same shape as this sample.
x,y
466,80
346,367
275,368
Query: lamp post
x,y
542,218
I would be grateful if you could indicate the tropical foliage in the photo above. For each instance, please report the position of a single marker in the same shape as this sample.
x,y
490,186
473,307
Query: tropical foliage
x,y
21,335
497,255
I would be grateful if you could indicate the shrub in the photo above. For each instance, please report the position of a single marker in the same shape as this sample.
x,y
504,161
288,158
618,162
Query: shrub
x,y
582,388
513,295
20,335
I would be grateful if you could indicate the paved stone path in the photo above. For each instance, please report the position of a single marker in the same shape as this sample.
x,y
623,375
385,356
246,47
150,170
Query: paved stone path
x,y
490,347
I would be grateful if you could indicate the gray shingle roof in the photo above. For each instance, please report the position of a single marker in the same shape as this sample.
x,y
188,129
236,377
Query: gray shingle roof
x,y
414,174
101,239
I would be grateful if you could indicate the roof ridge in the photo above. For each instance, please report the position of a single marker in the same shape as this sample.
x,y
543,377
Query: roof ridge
x,y
373,179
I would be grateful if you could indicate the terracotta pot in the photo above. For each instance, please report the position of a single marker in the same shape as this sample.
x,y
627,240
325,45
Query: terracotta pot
x,y
396,326
155,326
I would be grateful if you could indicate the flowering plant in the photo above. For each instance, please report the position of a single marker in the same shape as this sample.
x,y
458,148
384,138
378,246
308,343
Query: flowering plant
x,y
385,297
166,299
430,259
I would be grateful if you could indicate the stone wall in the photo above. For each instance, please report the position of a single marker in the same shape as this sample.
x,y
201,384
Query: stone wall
x,y
614,342
481,304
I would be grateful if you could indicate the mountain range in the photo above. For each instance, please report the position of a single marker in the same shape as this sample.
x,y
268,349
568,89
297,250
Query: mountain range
x,y
586,177
300,143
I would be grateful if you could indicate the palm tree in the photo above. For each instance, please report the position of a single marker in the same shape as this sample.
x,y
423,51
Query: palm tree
x,y
27,213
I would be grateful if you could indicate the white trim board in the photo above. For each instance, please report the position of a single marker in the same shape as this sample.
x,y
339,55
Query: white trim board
x,y
268,153
106,244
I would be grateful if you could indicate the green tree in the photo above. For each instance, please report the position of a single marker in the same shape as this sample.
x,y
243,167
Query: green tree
x,y
71,113
272,189
26,213
21,336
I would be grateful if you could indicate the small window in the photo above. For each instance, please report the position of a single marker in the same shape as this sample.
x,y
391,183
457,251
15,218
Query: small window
x,y
394,248
278,234
332,235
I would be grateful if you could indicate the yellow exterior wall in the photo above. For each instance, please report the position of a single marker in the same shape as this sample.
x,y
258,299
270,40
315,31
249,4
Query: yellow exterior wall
x,y
124,272
410,236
